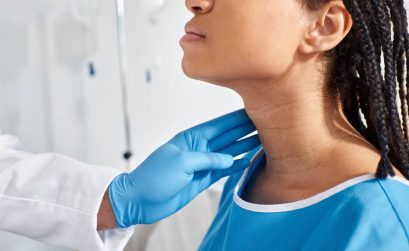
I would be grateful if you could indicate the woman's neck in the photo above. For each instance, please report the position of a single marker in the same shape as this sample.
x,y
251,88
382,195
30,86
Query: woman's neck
x,y
305,136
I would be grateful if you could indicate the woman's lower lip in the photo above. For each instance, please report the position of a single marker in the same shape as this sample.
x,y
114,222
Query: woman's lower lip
x,y
190,37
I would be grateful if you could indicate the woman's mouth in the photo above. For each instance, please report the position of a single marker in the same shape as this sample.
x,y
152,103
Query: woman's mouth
x,y
192,34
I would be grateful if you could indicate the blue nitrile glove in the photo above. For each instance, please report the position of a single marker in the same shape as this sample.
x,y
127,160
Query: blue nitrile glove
x,y
179,170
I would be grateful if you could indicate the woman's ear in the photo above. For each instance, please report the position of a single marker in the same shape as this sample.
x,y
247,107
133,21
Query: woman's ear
x,y
332,24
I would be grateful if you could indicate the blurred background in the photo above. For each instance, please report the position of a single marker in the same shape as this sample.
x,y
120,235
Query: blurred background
x,y
61,91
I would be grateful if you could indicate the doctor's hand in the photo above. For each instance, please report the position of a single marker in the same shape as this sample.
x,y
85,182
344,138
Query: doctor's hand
x,y
182,168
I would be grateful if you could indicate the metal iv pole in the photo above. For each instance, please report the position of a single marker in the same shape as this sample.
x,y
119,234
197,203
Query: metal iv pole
x,y
123,72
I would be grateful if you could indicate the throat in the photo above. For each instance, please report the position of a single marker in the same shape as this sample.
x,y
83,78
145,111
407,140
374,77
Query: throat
x,y
261,190
263,187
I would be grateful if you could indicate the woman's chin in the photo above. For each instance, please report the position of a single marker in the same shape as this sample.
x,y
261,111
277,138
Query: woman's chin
x,y
205,75
194,72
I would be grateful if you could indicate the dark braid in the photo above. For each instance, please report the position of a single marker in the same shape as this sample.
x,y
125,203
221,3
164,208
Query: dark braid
x,y
398,56
401,153
403,59
355,75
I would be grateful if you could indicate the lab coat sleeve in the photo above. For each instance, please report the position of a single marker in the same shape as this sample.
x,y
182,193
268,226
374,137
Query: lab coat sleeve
x,y
55,199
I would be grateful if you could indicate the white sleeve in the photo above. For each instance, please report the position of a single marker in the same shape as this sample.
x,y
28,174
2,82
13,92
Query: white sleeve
x,y
55,199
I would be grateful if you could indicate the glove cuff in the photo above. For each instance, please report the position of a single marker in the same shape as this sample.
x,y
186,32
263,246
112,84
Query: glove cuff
x,y
122,204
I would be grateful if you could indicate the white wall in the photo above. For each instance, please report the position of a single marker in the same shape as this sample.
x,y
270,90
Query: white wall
x,y
48,99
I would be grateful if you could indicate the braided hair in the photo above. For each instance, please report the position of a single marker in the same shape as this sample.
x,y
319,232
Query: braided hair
x,y
364,71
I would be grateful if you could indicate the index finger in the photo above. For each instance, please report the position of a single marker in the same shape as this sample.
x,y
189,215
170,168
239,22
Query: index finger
x,y
218,126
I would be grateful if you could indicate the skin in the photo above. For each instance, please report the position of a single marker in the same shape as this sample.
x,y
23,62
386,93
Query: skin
x,y
309,144
106,217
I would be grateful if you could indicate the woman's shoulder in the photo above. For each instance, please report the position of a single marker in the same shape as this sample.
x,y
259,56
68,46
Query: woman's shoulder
x,y
369,192
396,192
377,209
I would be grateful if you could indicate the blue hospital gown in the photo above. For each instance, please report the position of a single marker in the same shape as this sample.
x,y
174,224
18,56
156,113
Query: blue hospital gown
x,y
363,213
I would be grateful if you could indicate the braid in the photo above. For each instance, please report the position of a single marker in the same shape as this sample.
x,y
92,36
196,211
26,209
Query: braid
x,y
372,70
356,75
398,56
400,147
403,60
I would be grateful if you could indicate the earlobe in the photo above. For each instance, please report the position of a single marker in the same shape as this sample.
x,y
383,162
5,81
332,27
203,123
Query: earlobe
x,y
330,28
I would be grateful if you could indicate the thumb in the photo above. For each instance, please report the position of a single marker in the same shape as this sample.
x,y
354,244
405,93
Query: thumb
x,y
197,161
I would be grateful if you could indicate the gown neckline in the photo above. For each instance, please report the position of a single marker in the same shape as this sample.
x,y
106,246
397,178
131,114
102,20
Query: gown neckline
x,y
303,203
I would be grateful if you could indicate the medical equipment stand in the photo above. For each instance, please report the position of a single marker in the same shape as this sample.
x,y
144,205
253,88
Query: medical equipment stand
x,y
123,71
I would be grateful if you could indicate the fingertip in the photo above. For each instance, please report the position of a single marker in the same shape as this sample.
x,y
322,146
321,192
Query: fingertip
x,y
220,160
243,113
238,166
227,160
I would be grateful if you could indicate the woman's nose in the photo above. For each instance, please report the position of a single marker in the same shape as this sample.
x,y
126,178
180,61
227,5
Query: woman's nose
x,y
199,6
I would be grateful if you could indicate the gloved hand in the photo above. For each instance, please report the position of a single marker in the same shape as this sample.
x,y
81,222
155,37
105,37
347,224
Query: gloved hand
x,y
182,168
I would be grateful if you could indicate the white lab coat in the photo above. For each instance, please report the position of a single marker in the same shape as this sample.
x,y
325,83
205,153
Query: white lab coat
x,y
55,199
